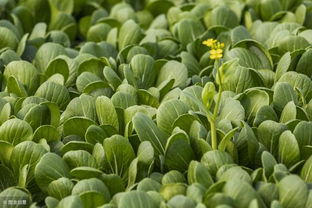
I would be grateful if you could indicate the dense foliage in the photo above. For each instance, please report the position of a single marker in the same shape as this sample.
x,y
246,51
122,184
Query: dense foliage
x,y
120,104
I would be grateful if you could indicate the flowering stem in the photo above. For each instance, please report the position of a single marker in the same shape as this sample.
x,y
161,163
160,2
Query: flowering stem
x,y
213,131
212,121
216,53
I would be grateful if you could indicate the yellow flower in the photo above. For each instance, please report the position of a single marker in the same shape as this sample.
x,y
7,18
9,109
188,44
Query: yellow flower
x,y
216,53
210,42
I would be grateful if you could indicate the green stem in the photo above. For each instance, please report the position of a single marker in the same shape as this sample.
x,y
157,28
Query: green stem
x,y
213,131
212,121
216,110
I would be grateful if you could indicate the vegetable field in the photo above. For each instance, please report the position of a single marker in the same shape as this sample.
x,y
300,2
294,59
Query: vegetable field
x,y
156,103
